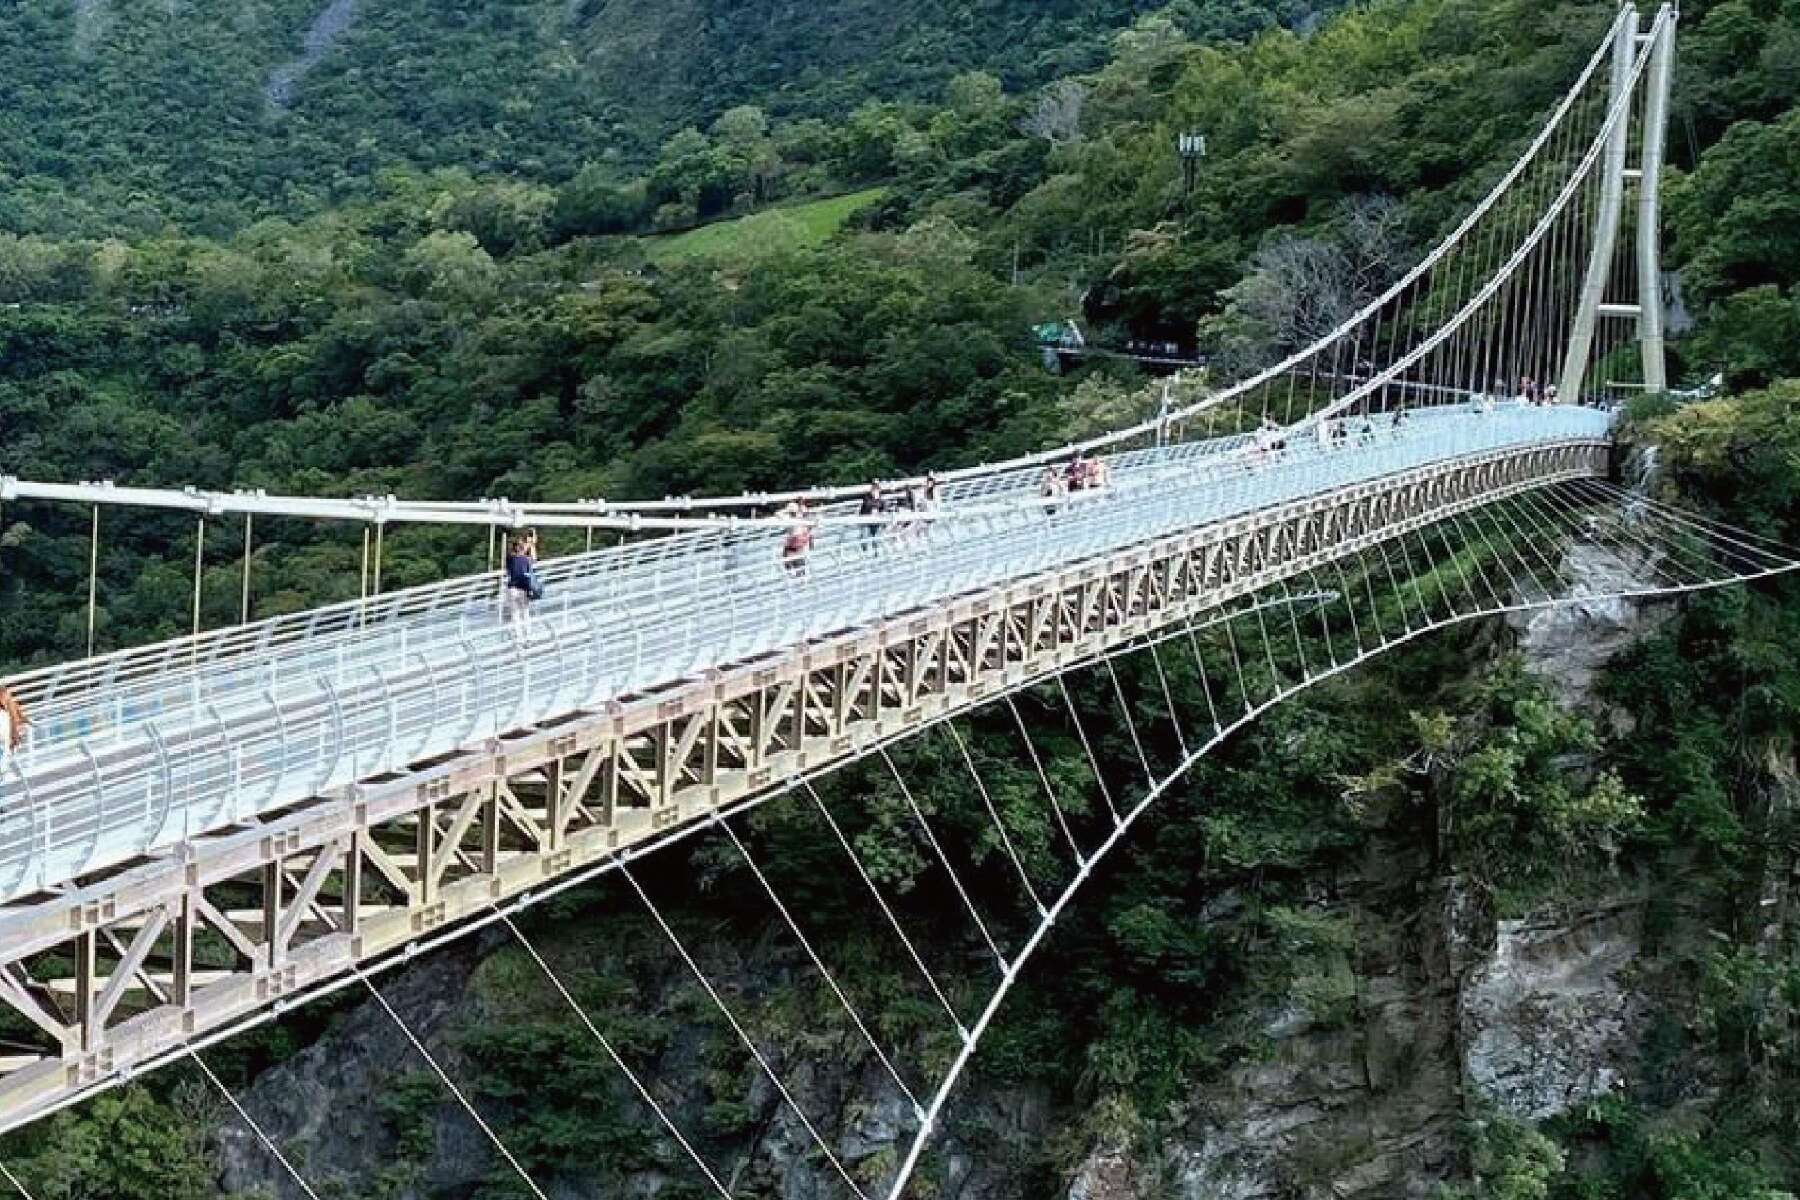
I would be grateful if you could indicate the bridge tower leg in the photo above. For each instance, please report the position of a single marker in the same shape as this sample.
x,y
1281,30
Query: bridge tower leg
x,y
1649,231
1606,220
1648,310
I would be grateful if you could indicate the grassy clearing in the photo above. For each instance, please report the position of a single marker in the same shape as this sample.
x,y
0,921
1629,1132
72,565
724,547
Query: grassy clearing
x,y
795,227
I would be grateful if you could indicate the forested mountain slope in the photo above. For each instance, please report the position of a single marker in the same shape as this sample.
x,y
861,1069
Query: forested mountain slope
x,y
122,115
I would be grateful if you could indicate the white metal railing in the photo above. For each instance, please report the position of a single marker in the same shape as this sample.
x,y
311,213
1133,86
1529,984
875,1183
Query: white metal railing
x,y
137,751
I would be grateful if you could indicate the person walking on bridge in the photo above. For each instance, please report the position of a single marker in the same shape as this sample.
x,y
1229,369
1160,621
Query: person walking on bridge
x,y
799,540
1077,474
930,498
13,723
873,505
523,586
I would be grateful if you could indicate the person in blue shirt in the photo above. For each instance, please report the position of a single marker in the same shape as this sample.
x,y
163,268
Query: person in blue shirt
x,y
522,584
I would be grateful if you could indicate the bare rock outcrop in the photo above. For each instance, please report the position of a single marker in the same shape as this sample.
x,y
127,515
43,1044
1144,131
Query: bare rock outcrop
x,y
330,25
1551,1020
1568,644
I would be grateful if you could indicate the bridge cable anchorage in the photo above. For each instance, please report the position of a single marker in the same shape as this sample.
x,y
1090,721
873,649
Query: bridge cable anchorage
x,y
1663,554
1742,541
444,1077
643,1090
893,920
1707,525
1049,792
1632,546
994,815
819,965
749,1044
955,879
268,1143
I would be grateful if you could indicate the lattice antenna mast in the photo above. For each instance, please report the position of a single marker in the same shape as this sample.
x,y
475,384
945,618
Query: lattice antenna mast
x,y
1647,308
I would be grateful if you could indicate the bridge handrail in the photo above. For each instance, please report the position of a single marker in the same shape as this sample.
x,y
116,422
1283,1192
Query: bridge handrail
x,y
47,690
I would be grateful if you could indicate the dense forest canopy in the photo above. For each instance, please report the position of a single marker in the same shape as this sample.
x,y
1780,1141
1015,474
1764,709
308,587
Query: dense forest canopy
x,y
123,117
408,247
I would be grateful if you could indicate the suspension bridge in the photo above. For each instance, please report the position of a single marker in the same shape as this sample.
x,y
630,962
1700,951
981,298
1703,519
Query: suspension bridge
x,y
204,833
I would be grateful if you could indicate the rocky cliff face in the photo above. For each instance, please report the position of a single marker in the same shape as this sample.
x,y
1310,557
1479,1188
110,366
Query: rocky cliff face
x,y
1550,1019
322,1107
1456,1013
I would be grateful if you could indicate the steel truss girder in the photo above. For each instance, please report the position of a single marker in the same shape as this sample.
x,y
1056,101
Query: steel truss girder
x,y
351,877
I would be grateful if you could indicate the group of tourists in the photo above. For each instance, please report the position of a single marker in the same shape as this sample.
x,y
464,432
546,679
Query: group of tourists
x,y
1080,474
923,497
1532,394
1526,391
1058,482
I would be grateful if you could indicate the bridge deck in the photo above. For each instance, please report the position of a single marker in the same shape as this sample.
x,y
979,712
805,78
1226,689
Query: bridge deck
x,y
194,736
